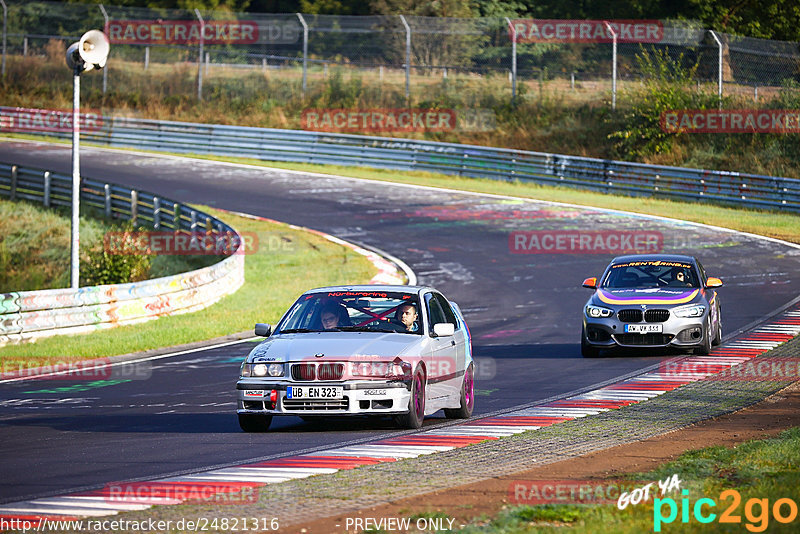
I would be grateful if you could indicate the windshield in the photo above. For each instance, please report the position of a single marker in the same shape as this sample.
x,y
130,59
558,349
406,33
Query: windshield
x,y
360,311
649,274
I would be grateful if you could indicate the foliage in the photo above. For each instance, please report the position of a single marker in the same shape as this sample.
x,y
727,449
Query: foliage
x,y
667,86
100,266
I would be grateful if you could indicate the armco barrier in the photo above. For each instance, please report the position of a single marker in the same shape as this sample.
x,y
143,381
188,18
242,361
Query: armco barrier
x,y
636,179
31,314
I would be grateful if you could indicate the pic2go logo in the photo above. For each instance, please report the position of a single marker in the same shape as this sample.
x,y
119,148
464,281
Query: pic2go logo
x,y
756,511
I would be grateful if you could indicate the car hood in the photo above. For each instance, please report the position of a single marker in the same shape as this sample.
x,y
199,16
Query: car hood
x,y
665,296
333,345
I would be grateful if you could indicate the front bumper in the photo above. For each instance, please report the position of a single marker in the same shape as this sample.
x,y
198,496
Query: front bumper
x,y
675,332
374,397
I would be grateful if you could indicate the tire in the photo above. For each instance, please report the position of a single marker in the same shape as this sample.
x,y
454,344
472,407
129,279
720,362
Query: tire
x,y
705,348
588,351
253,422
416,403
718,337
464,411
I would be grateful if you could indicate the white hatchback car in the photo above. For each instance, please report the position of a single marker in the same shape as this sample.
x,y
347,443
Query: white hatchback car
x,y
403,351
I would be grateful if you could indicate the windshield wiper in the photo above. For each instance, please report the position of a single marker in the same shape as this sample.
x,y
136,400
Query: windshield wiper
x,y
296,330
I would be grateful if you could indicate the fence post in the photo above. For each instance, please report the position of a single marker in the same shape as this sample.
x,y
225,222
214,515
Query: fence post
x,y
719,67
105,29
107,200
176,216
408,54
12,193
305,51
5,18
513,59
613,65
25,46
134,206
156,213
146,57
200,56
46,200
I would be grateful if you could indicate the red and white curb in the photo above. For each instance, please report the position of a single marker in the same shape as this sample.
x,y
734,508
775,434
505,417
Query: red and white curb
x,y
196,487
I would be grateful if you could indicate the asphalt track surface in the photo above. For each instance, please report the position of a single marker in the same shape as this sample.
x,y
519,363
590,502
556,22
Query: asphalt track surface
x,y
524,312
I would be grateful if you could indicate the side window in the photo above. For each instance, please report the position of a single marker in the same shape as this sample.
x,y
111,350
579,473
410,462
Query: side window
x,y
435,313
449,316
702,274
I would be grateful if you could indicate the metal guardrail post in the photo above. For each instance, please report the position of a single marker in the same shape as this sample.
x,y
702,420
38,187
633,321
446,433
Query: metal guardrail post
x,y
719,66
107,200
134,207
408,55
193,218
105,68
305,51
613,64
176,216
12,193
513,59
46,198
200,55
156,213
5,33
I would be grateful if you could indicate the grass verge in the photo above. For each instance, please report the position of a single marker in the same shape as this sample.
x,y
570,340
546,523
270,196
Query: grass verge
x,y
765,471
288,261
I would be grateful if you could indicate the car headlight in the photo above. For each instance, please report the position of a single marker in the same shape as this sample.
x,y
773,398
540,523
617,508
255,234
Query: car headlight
x,y
595,312
689,311
262,369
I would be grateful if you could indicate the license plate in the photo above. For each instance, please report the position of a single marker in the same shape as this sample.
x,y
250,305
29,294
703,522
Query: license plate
x,y
314,392
643,328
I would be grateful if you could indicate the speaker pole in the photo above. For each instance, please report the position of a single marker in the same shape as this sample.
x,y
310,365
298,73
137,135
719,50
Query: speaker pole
x,y
76,178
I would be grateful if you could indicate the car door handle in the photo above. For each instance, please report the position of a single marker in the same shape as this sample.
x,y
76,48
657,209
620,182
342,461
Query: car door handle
x,y
453,343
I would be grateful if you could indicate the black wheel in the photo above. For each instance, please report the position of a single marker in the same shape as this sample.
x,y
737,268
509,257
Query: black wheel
x,y
416,403
705,348
253,422
588,351
467,397
718,337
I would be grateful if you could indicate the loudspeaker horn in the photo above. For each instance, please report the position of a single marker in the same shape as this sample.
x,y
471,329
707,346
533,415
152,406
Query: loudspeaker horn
x,y
93,48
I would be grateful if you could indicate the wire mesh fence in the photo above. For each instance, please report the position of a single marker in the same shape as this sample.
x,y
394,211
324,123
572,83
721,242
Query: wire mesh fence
x,y
406,52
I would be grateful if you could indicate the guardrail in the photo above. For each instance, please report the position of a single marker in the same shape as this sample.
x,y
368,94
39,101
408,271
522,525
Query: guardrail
x,y
636,179
32,314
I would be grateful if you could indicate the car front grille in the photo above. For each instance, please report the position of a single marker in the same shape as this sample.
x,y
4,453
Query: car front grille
x,y
304,371
314,371
650,339
317,405
630,316
330,371
656,316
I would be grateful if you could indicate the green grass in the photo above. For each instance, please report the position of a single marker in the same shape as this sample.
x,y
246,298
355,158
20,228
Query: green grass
x,y
287,262
759,469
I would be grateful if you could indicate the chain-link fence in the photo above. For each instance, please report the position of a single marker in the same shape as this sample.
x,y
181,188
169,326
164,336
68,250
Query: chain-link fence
x,y
516,58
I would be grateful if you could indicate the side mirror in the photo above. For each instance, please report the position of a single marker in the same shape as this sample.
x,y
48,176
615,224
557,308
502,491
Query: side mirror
x,y
713,282
263,329
444,329
590,283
